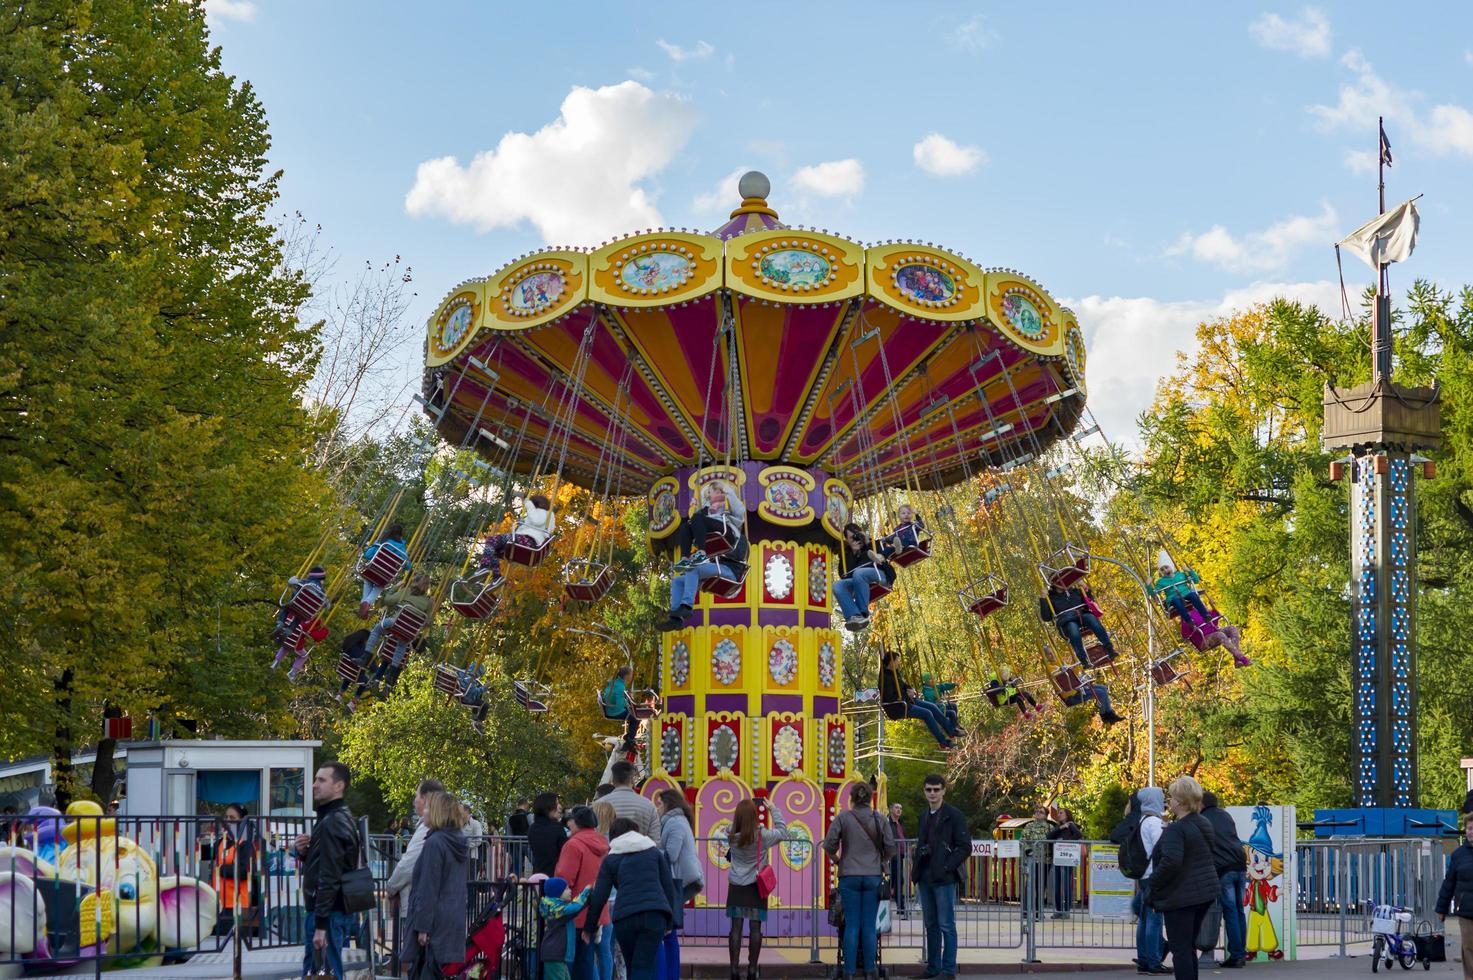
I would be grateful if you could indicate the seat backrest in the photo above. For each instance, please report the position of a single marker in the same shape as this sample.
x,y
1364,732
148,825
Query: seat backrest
x,y
407,622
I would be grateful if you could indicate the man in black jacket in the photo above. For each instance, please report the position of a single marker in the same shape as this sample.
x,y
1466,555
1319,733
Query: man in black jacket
x,y
943,844
1232,879
330,852
1457,887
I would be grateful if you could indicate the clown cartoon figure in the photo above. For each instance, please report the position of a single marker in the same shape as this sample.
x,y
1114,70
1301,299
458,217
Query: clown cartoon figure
x,y
1265,865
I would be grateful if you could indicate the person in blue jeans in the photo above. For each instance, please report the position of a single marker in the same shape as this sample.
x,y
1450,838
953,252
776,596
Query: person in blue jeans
x,y
331,851
943,844
862,567
1149,941
863,843
1070,613
697,567
898,700
1232,879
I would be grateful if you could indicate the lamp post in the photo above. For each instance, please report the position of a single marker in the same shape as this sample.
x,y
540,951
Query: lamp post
x,y
1150,664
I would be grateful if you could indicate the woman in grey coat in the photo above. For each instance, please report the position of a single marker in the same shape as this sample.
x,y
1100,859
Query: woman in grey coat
x,y
678,841
864,844
437,898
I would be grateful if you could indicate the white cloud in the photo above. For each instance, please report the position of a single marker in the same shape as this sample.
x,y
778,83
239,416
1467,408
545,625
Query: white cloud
x,y
1468,56
575,179
1260,251
974,35
230,9
724,196
1308,36
643,74
1132,342
835,178
940,157
1443,130
703,49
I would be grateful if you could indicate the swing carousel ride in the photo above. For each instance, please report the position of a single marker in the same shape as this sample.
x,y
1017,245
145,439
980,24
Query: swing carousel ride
x,y
801,374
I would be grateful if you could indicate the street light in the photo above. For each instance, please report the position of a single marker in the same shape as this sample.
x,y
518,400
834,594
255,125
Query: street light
x,y
1150,672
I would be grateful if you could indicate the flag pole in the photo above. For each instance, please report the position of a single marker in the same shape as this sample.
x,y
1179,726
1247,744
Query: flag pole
x,y
1381,313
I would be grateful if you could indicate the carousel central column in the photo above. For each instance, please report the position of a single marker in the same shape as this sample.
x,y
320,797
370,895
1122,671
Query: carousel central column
x,y
752,684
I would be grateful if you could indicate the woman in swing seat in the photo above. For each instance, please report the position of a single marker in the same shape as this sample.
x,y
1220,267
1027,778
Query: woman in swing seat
x,y
899,701
616,704
1069,611
392,542
863,568
1175,587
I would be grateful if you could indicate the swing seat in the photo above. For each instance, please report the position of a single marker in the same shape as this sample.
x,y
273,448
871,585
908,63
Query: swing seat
x,y
531,695
587,581
528,555
349,669
914,546
995,697
406,624
729,582
985,597
1096,653
476,598
722,540
447,680
382,568
293,636
1198,631
647,706
1065,567
1164,671
1068,685
305,604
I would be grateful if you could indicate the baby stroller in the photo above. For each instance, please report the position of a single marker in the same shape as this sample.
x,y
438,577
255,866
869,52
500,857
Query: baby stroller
x,y
836,919
486,943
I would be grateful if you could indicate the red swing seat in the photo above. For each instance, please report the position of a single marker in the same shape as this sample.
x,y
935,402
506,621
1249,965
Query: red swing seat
x,y
586,580
729,582
721,540
1068,685
1096,653
531,695
985,597
476,598
1164,671
995,697
406,624
383,567
528,555
915,546
1065,567
349,669
1194,629
447,680
305,604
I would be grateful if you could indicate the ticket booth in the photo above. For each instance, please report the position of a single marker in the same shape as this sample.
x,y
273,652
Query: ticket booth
x,y
201,777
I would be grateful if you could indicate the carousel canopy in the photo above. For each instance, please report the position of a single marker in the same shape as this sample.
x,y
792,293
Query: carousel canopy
x,y
888,364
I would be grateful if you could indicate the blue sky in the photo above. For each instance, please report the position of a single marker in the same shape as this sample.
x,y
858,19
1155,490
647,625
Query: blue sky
x,y
1153,164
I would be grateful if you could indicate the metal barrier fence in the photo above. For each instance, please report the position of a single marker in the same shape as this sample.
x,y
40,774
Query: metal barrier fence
x,y
1340,880
98,893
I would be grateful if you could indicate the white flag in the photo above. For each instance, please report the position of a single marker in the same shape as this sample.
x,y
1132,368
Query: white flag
x,y
1389,237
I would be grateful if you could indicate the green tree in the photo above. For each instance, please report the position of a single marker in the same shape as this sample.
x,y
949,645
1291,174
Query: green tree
x,y
152,493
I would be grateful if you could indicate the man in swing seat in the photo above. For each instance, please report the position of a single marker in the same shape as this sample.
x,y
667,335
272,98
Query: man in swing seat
x,y
696,567
1069,610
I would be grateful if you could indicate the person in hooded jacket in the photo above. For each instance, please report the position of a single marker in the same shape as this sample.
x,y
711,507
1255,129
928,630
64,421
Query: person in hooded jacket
x,y
1184,877
1149,948
437,891
1457,893
1232,879
546,837
578,863
678,841
647,901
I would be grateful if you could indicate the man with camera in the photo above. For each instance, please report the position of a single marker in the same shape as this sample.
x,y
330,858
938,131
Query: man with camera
x,y
943,844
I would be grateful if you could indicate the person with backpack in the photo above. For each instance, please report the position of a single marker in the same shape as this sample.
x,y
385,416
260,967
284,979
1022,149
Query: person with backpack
x,y
1184,878
1232,880
863,843
1136,836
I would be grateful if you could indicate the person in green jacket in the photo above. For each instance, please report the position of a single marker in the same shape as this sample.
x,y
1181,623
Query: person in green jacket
x,y
934,692
616,704
1175,588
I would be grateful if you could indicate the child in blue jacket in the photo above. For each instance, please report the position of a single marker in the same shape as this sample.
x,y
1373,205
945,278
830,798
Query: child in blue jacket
x,y
558,909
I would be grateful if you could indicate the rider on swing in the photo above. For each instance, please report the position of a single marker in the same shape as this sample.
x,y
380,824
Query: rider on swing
x,y
696,567
617,707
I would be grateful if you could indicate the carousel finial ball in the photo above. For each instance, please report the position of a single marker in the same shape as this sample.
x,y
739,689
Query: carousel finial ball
x,y
754,183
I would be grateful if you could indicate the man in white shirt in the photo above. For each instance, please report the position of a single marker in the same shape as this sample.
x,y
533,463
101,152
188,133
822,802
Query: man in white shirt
x,y
403,874
1148,940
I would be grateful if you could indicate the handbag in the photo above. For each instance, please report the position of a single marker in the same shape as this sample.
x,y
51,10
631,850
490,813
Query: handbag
x,y
766,881
836,909
883,920
320,969
357,885
424,966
